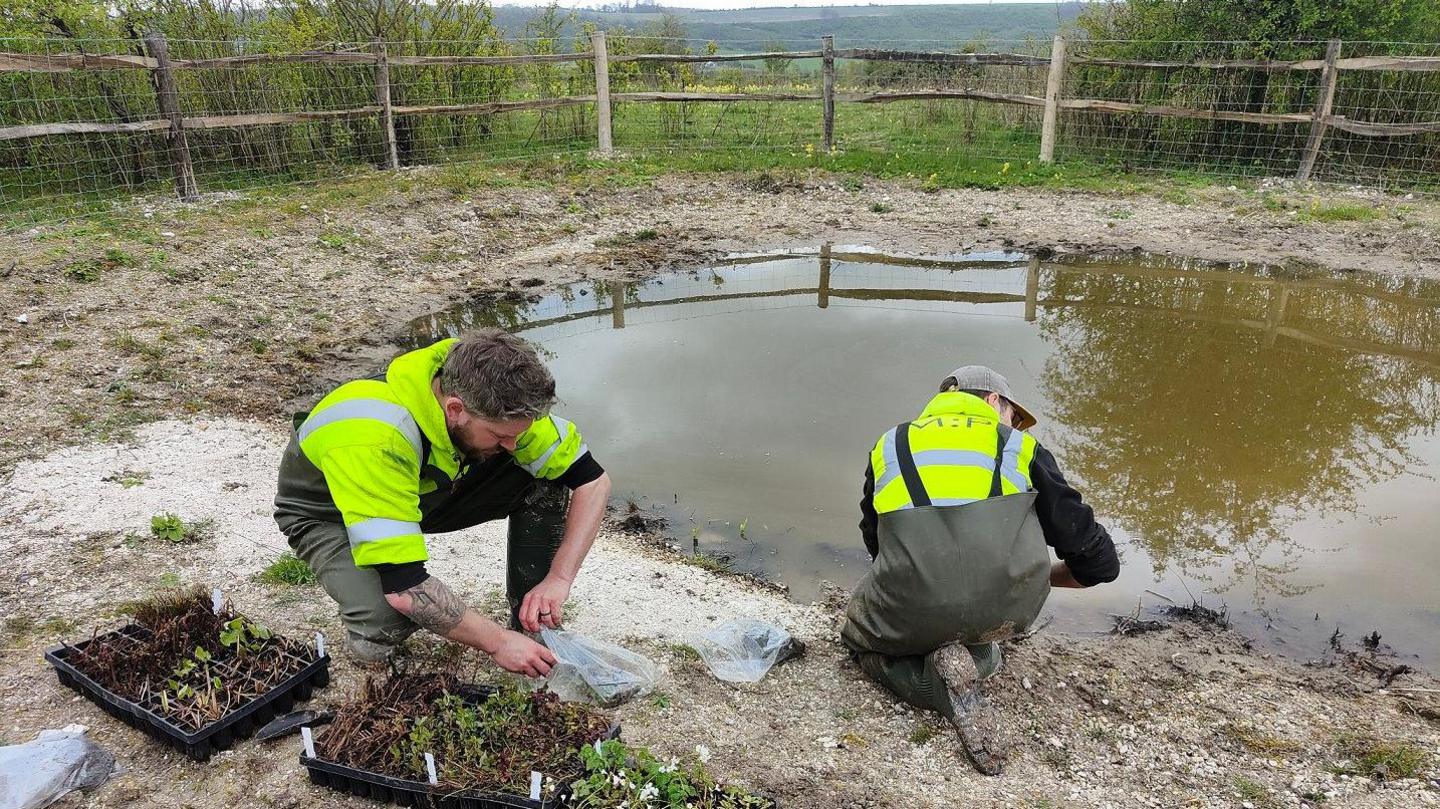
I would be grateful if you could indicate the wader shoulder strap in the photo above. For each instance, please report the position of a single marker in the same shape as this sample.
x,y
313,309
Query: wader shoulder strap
x,y
1002,434
908,473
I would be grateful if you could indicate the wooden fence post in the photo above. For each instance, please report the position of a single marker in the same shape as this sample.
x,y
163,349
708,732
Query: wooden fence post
x,y
617,305
391,156
827,47
602,92
823,297
1324,100
1052,100
169,100
1032,288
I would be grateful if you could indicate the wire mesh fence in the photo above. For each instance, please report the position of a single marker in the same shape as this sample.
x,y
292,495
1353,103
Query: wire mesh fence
x,y
82,120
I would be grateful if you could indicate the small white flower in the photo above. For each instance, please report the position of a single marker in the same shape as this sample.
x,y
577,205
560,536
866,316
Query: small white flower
x,y
703,752
648,792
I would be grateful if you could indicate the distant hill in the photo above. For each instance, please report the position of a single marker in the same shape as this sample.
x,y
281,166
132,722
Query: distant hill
x,y
923,27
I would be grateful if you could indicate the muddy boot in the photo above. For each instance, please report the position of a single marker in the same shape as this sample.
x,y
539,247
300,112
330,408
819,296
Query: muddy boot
x,y
367,652
977,721
536,530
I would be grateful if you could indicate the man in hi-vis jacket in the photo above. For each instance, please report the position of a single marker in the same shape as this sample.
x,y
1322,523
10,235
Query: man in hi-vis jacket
x,y
451,435
959,507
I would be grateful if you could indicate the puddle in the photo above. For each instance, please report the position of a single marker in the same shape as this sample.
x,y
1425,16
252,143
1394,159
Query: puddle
x,y
1252,436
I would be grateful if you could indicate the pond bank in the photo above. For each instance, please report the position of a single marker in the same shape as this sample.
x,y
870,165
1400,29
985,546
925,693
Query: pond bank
x,y
1186,715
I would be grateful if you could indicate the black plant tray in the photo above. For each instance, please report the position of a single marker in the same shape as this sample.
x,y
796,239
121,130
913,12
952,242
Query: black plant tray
x,y
218,735
406,792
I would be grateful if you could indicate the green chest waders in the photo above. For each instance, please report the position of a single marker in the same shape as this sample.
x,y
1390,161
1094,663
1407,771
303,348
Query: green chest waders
x,y
970,574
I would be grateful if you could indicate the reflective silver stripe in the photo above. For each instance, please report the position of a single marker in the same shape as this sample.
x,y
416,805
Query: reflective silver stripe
x,y
944,501
377,409
1010,467
887,456
954,457
953,501
378,528
562,431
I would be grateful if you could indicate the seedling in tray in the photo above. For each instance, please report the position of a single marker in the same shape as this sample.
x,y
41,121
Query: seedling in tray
x,y
190,675
486,744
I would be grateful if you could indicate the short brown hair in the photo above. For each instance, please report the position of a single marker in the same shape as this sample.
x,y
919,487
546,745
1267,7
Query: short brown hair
x,y
498,376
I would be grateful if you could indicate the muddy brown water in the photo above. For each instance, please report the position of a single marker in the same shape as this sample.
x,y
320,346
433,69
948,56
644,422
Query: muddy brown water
x,y
1256,437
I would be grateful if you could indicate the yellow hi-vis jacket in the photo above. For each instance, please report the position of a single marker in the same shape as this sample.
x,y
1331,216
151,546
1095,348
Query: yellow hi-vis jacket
x,y
371,438
955,443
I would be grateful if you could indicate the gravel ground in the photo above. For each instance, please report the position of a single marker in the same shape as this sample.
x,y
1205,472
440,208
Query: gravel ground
x,y
1184,716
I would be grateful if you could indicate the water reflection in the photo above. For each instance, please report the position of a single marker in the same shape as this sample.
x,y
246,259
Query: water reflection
x,y
1228,423
1208,411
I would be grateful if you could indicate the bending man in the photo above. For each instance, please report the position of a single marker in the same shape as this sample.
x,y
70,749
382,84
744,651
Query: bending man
x,y
958,508
450,436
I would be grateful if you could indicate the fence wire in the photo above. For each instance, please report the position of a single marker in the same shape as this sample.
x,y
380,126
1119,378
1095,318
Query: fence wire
x,y
470,112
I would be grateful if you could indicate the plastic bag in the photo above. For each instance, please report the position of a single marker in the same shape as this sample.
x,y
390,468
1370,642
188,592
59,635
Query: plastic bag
x,y
742,650
40,771
590,670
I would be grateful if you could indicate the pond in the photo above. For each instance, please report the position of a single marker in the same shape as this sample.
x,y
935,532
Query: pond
x,y
1258,437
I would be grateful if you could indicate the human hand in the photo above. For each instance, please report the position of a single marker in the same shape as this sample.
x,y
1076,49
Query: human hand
x,y
542,606
520,655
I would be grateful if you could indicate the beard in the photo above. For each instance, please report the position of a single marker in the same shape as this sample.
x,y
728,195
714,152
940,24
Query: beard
x,y
465,448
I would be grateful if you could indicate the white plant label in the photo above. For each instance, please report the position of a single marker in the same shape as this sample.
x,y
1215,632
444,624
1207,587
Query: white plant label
x,y
217,600
319,644
430,769
534,785
309,739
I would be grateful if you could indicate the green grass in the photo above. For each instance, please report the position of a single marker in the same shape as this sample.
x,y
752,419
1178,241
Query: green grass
x,y
1254,792
1386,760
1341,212
923,734
288,569
938,145
171,528
1258,741
683,651
712,562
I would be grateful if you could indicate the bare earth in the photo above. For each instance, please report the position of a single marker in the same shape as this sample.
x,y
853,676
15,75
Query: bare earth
x,y
231,314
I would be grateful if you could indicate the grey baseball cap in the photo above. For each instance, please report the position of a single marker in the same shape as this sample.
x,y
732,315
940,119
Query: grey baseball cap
x,y
978,377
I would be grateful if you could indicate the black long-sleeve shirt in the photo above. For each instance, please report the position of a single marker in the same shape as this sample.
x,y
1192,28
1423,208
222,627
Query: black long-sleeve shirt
x,y
1068,523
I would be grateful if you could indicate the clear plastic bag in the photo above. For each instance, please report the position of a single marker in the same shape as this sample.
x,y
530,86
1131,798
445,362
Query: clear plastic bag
x,y
591,670
40,771
743,650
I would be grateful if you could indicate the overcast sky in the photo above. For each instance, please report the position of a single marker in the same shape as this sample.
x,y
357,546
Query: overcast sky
x,y
773,4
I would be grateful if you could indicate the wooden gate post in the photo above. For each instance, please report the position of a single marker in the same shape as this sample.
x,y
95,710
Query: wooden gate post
x,y
1324,101
827,48
168,97
390,156
602,93
1053,83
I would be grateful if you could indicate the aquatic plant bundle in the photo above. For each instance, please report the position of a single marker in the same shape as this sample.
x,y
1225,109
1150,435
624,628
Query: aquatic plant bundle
x,y
619,775
185,661
483,739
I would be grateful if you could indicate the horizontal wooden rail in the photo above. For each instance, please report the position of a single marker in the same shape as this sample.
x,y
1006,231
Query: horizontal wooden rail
x,y
1099,105
62,62
518,59
643,97
80,128
931,95
717,57
934,57
1224,64
1376,130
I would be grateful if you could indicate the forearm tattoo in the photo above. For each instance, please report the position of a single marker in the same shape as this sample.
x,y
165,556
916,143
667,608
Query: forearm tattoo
x,y
435,606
